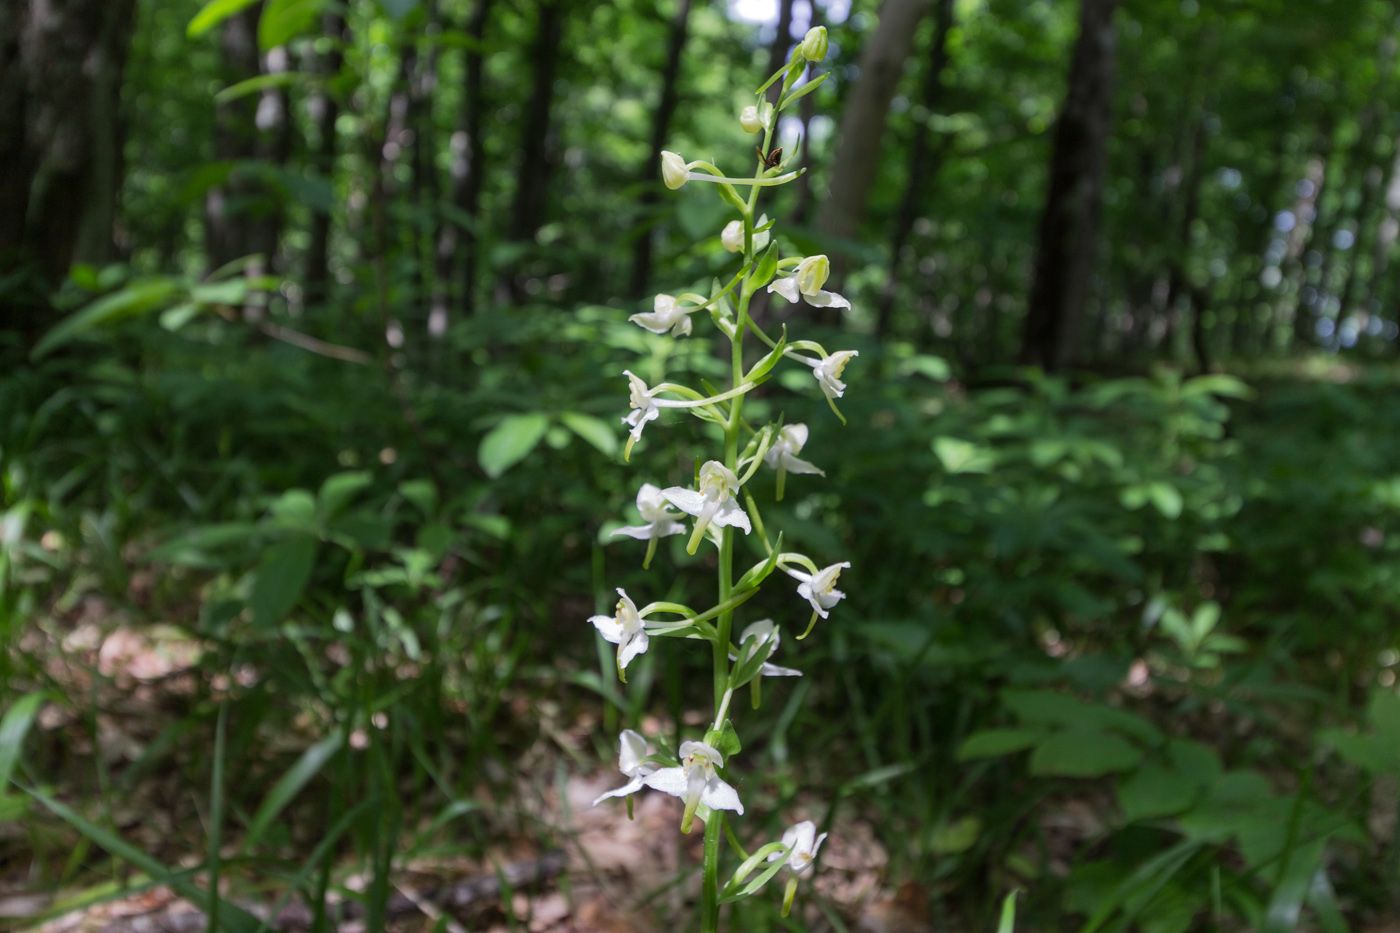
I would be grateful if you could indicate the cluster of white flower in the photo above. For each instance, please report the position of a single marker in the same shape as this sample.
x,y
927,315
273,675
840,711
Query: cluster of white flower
x,y
722,505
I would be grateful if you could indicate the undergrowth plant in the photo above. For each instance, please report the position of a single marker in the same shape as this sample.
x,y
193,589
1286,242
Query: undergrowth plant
x,y
723,507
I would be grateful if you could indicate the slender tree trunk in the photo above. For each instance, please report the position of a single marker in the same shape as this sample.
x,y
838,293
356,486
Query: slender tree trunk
x,y
325,112
1177,284
863,122
466,172
1304,232
1068,237
923,163
226,206
660,127
1386,235
424,186
1248,286
528,208
1369,217
778,50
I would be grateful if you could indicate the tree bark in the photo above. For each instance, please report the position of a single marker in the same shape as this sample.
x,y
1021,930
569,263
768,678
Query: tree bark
x,y
863,122
1068,235
466,171
660,127
528,208
61,64
325,111
227,214
922,162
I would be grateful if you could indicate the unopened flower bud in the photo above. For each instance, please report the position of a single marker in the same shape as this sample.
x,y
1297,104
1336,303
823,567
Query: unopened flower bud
x,y
674,171
814,44
756,119
812,274
732,238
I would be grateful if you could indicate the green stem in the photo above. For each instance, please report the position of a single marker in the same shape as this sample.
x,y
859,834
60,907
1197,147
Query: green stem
x,y
709,893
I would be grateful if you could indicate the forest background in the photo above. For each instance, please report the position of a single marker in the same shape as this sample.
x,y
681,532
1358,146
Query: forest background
x,y
312,326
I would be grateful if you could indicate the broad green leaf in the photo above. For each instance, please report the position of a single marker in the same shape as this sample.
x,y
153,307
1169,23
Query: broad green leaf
x,y
1366,752
1153,791
1195,760
137,298
994,743
298,776
593,430
283,20
1286,904
764,270
281,578
261,83
1383,714
1050,708
1166,498
422,493
959,456
172,319
510,442
339,489
295,508
955,837
213,13
1083,753
192,547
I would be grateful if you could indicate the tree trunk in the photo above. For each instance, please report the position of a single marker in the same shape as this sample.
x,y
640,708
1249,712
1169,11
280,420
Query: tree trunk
x,y
61,64
527,211
1181,248
1068,236
466,172
660,127
863,122
922,162
325,111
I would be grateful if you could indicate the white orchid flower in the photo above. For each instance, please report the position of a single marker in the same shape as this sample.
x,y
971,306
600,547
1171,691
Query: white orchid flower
x,y
630,763
732,238
667,314
762,637
828,371
802,844
806,283
624,629
782,456
647,407
713,503
660,523
696,782
819,589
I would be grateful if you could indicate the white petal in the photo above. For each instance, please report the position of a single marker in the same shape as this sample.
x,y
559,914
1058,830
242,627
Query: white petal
x,y
631,787
608,627
666,529
640,532
773,670
682,328
633,750
787,287
730,514
631,648
794,465
687,500
827,300
648,497
718,795
656,323
797,434
668,780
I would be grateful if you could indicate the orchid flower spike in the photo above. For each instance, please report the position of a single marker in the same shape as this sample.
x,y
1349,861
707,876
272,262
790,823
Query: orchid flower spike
x,y
819,589
696,782
828,371
667,314
806,282
713,503
660,523
625,630
647,407
676,171
782,456
732,238
630,762
802,844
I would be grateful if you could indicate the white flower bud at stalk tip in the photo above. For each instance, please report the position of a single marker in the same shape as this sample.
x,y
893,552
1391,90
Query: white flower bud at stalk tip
x,y
812,274
674,170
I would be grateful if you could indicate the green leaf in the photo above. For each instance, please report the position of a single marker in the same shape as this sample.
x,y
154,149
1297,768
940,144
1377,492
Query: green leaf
x,y
1008,913
297,777
1166,498
732,890
422,493
510,441
261,83
1286,904
803,91
727,742
281,578
172,319
1153,791
213,13
1083,753
296,509
13,728
1364,751
192,547
283,20
994,743
959,836
756,574
763,366
959,456
136,299
338,490
764,271
595,431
